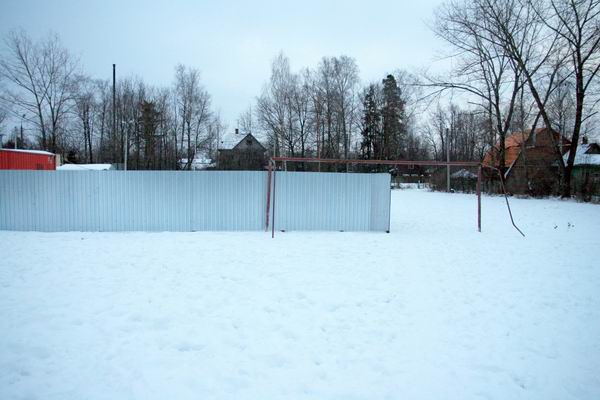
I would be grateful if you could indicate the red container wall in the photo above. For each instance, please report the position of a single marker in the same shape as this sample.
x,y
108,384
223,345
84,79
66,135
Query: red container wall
x,y
24,160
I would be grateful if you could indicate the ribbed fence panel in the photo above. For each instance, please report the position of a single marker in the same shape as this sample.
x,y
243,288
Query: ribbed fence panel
x,y
332,201
58,201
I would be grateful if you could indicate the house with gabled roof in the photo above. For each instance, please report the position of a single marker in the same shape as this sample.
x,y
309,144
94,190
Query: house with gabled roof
x,y
241,152
586,170
531,160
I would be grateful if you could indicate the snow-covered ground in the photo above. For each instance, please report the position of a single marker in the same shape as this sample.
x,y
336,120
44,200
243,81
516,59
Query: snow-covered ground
x,y
84,167
433,310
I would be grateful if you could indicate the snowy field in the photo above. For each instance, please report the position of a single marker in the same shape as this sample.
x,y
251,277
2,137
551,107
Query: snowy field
x,y
433,310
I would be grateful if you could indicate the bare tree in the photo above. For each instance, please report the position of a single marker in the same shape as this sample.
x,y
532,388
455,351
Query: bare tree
x,y
541,37
336,104
85,109
215,131
3,115
192,103
245,121
102,114
41,85
58,77
22,68
311,109
301,106
485,72
345,79
271,107
577,24
411,89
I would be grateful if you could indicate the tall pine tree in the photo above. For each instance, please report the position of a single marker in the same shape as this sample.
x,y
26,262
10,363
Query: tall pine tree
x,y
371,125
394,128
149,121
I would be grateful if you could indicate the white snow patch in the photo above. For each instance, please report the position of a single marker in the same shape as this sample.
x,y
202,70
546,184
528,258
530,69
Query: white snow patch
x,y
42,152
581,158
464,174
433,310
200,162
84,167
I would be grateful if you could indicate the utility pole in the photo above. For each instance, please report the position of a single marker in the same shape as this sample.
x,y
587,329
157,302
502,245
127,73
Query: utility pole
x,y
22,141
448,159
114,101
126,147
217,149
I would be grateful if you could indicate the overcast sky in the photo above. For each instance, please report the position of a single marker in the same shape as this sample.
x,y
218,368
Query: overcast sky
x,y
232,43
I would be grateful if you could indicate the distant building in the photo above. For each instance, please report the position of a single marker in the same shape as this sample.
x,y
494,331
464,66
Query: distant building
x,y
464,174
586,169
27,159
199,163
246,153
531,161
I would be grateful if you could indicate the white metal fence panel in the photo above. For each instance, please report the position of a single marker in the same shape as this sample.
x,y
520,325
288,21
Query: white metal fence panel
x,y
58,201
332,201
228,200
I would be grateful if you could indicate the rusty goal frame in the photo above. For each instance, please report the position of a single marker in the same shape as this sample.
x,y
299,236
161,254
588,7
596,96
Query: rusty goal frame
x,y
272,177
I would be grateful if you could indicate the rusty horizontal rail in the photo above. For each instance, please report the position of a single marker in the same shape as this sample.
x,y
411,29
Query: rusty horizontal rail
x,y
382,162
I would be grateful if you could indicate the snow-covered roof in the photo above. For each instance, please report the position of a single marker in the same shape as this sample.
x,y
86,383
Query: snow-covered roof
x,y
464,174
46,153
229,141
85,167
199,162
581,158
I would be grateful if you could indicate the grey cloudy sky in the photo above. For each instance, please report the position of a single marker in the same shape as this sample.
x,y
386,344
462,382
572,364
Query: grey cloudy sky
x,y
231,42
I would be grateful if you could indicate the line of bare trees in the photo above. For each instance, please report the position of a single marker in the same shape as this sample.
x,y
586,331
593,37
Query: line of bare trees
x,y
312,111
68,112
323,112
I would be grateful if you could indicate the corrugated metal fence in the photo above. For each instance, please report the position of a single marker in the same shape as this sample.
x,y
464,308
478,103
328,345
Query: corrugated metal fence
x,y
190,201
332,201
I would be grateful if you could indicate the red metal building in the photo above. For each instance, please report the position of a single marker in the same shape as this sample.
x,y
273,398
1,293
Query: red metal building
x,y
27,159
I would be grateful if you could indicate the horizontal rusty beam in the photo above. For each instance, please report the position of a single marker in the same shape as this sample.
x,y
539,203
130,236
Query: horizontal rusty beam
x,y
383,162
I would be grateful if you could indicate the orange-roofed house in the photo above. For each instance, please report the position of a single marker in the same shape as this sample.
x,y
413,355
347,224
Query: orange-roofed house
x,y
531,160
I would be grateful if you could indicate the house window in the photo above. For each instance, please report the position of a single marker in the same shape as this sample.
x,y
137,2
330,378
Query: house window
x,y
249,142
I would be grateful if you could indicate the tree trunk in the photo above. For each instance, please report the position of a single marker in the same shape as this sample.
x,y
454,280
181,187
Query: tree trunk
x,y
580,97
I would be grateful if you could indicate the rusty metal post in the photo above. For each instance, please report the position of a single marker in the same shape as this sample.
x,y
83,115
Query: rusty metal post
x,y
479,199
507,203
448,160
274,191
268,195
